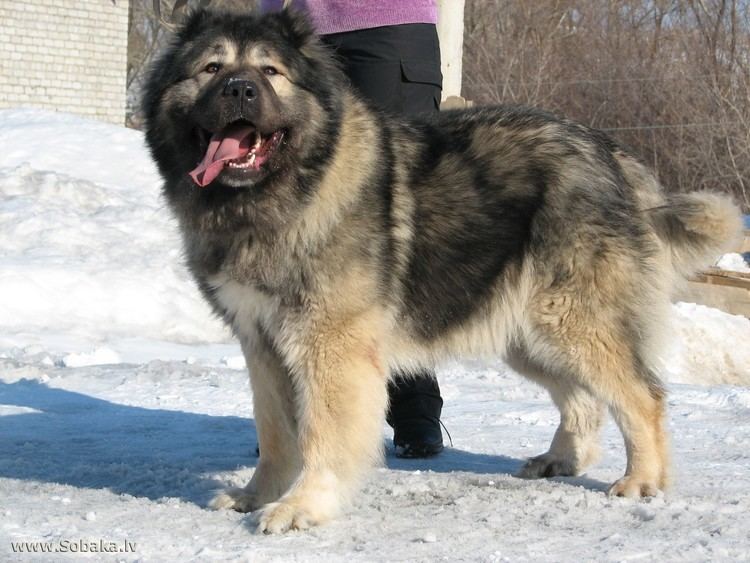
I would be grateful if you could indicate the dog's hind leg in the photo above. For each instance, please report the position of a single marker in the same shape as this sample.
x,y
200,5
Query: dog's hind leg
x,y
273,406
340,382
608,364
575,445
639,412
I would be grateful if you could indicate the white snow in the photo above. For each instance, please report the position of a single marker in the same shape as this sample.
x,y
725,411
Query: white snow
x,y
234,362
708,347
98,356
733,262
124,404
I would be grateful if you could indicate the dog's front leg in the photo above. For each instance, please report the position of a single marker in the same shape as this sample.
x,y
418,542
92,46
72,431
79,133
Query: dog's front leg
x,y
274,407
340,383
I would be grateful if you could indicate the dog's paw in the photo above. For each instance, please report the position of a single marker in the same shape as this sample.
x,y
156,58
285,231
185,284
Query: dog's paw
x,y
634,487
547,465
237,499
280,517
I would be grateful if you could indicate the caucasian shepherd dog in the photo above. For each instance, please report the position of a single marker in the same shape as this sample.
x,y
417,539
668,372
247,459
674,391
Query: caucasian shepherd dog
x,y
340,243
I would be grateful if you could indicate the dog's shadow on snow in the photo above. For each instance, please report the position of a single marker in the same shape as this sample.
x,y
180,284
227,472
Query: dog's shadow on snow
x,y
58,436
452,459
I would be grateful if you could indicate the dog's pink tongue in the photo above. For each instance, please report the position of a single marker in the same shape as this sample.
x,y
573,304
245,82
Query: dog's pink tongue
x,y
229,143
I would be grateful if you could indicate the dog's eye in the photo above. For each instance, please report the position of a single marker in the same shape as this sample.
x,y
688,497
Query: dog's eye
x,y
212,68
270,70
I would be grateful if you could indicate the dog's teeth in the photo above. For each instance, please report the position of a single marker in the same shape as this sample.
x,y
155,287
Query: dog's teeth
x,y
258,141
252,159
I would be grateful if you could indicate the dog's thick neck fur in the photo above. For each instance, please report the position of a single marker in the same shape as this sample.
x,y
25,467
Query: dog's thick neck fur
x,y
278,228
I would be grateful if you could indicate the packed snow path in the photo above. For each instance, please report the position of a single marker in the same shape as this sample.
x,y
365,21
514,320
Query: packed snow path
x,y
134,452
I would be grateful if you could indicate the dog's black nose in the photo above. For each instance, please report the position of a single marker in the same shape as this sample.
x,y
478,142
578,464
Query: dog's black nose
x,y
240,87
243,91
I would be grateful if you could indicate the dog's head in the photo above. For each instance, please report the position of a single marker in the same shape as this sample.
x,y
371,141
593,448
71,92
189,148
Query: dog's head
x,y
238,101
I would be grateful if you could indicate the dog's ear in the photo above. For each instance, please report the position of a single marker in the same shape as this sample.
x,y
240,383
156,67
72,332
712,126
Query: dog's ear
x,y
193,24
298,30
296,27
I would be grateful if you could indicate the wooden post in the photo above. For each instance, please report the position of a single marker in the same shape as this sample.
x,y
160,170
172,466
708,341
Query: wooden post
x,y
451,32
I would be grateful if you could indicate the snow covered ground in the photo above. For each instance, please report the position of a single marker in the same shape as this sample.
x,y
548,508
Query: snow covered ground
x,y
124,405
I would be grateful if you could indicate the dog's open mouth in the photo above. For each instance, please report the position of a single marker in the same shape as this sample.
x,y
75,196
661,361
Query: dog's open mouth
x,y
238,146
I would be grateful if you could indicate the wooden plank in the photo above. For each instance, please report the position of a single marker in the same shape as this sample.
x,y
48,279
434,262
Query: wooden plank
x,y
730,299
721,289
723,277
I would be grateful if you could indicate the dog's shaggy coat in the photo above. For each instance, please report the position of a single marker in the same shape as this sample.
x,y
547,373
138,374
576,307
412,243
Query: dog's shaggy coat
x,y
367,242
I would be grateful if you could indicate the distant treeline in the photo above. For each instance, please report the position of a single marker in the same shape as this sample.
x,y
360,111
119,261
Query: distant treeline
x,y
670,79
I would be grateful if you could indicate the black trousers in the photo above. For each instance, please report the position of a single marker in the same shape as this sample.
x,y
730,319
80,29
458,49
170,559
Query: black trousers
x,y
398,69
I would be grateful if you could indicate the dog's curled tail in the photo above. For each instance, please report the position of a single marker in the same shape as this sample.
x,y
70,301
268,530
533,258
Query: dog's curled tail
x,y
697,228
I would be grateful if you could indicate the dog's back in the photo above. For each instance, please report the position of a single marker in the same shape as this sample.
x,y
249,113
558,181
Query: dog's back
x,y
491,193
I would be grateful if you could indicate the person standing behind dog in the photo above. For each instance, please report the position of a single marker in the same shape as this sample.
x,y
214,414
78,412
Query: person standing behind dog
x,y
391,54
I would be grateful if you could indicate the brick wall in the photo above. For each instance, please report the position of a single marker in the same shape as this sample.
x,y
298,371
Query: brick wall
x,y
65,55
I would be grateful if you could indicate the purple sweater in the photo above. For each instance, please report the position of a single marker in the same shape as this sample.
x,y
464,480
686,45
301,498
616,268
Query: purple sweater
x,y
335,16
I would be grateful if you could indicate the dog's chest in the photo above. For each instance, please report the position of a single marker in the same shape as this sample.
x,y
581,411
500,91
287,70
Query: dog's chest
x,y
246,306
268,267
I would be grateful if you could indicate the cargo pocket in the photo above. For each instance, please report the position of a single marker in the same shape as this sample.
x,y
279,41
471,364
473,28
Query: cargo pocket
x,y
421,86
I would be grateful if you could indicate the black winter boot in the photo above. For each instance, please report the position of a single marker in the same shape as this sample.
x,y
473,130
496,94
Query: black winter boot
x,y
414,414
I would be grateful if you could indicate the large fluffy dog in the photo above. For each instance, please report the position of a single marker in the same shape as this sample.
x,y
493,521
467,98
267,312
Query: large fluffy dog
x,y
339,242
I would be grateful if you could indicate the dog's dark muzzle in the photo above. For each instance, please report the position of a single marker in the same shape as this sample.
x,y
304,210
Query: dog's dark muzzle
x,y
242,94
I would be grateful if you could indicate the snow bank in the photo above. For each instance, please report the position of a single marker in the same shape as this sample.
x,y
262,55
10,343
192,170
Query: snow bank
x,y
734,262
708,347
86,246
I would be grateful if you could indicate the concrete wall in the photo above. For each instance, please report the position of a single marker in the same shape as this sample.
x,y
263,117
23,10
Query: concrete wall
x,y
65,55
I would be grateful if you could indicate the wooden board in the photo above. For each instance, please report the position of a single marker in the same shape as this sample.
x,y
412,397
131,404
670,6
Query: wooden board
x,y
714,276
730,299
728,291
